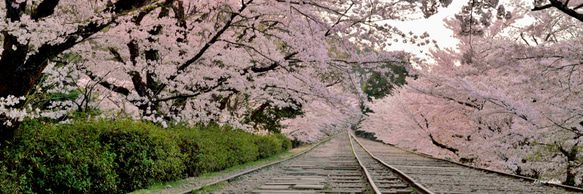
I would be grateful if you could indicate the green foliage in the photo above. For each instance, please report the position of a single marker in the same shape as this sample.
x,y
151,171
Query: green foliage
x,y
272,144
379,84
61,159
269,117
145,154
286,143
11,182
212,148
266,144
121,156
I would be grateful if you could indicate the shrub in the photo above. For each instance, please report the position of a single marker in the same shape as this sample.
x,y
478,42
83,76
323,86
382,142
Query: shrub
x,y
286,143
268,145
212,148
122,156
11,182
144,154
64,159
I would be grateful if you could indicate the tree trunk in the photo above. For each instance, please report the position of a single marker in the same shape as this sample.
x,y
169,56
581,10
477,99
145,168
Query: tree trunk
x,y
15,80
571,157
7,133
570,176
16,83
20,73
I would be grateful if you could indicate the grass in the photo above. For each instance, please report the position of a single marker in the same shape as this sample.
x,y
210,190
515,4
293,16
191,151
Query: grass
x,y
212,188
413,190
161,186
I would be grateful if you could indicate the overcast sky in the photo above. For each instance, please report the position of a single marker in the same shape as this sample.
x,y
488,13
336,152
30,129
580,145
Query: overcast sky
x,y
433,25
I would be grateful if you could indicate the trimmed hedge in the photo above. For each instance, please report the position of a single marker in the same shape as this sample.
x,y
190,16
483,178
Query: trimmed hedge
x,y
213,148
122,156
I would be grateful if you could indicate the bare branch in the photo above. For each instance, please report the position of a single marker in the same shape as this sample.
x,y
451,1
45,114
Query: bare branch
x,y
542,7
44,9
212,40
563,7
205,90
106,84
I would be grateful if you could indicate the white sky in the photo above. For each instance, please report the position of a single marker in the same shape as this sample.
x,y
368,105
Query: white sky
x,y
433,25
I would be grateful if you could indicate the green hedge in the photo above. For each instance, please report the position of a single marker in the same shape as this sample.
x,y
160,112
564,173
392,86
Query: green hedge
x,y
122,156
214,148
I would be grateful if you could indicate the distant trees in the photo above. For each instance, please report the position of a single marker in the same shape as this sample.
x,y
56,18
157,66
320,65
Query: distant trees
x,y
384,80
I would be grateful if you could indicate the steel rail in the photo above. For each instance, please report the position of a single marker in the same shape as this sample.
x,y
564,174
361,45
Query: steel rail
x,y
368,177
566,187
232,177
419,187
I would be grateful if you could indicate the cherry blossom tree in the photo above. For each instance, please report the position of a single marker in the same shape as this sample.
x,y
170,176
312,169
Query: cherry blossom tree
x,y
223,61
325,116
196,60
236,50
34,32
505,100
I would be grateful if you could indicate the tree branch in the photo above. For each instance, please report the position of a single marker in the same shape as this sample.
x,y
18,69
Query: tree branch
x,y
212,40
106,84
439,144
249,47
139,85
563,7
522,36
573,130
273,65
467,104
542,7
14,10
293,90
116,55
334,83
205,90
563,151
339,19
44,9
370,62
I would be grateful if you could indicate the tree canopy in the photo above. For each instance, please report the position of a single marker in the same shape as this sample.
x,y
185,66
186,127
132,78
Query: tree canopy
x,y
508,97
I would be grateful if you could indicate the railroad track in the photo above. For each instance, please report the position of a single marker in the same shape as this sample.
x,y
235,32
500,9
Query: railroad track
x,y
338,166
347,164
330,167
442,176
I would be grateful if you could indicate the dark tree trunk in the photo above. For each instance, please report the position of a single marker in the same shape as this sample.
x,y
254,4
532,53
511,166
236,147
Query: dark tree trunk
x,y
19,71
571,159
438,144
570,176
17,84
7,133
